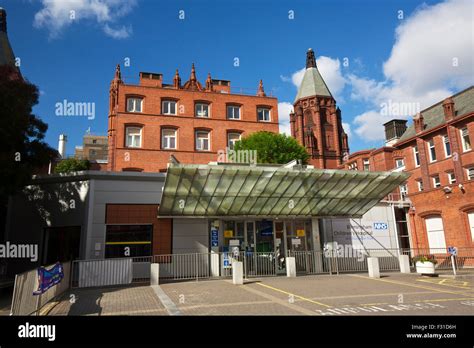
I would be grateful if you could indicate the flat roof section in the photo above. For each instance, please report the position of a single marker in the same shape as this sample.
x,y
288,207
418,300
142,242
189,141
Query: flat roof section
x,y
263,191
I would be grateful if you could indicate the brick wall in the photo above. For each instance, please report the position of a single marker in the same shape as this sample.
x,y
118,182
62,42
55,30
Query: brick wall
x,y
144,214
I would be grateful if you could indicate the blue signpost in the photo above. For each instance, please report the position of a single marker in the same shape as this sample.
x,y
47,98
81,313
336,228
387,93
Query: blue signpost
x,y
454,252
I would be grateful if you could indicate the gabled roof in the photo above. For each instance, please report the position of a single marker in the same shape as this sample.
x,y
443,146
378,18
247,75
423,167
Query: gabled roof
x,y
434,115
312,84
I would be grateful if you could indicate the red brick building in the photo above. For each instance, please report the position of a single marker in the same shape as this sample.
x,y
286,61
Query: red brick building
x,y
195,123
437,150
316,122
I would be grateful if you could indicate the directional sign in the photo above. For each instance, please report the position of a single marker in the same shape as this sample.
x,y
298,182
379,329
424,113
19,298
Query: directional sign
x,y
453,250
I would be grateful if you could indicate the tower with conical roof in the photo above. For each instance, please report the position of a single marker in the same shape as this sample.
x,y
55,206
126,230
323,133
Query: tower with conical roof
x,y
7,58
316,121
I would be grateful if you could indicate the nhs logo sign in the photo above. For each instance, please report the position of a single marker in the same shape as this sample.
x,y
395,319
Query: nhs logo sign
x,y
380,226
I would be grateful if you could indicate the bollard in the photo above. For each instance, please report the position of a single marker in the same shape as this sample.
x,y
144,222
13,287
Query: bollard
x,y
373,264
404,261
154,274
237,273
290,267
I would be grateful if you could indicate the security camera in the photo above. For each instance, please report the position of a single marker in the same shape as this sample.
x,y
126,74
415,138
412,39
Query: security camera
x,y
447,189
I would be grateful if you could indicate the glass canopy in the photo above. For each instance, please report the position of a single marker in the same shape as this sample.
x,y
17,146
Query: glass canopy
x,y
243,190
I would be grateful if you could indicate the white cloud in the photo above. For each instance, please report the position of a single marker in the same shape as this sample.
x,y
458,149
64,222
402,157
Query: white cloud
x,y
330,70
347,129
284,109
422,67
56,15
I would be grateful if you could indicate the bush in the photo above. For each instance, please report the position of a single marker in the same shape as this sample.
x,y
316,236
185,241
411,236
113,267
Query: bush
x,y
425,258
72,165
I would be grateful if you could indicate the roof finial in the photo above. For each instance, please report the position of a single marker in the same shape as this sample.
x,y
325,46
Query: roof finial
x,y
193,74
177,80
209,83
118,74
261,92
310,60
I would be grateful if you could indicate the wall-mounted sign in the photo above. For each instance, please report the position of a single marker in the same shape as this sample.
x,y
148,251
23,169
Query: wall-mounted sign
x,y
214,236
228,234
234,242
295,241
300,233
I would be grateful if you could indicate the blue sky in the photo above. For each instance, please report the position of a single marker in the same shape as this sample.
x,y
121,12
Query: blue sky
x,y
403,57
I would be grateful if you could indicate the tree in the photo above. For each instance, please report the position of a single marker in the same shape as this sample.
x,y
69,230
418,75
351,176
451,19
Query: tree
x,y
72,165
273,147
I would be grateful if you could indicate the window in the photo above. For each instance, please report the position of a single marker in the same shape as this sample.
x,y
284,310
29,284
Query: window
x,y
451,178
436,181
432,150
403,190
400,163
202,110
366,164
233,112
470,173
202,141
470,217
168,139
466,142
134,104
263,114
417,156
420,185
352,166
168,107
435,231
232,138
447,146
133,137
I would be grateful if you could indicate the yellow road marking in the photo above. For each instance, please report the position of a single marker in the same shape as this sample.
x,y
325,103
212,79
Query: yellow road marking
x,y
297,296
406,284
442,282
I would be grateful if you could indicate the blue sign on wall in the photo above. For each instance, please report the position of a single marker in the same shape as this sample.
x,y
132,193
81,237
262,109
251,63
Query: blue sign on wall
x,y
380,226
214,237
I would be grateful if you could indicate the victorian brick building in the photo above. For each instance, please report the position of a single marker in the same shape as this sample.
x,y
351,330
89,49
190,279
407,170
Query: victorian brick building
x,y
194,122
437,150
316,121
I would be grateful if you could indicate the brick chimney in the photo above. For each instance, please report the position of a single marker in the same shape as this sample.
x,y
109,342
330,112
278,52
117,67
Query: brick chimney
x,y
3,20
418,122
448,106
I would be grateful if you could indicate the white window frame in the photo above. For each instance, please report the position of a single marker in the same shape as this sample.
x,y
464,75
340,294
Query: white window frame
x,y
200,141
420,185
134,104
352,166
403,190
470,176
263,112
233,107
432,150
466,145
470,218
436,181
447,144
435,233
167,110
416,155
366,164
201,106
397,161
451,178
166,139
131,134
231,142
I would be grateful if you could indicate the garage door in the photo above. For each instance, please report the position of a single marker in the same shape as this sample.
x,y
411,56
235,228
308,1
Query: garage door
x,y
436,240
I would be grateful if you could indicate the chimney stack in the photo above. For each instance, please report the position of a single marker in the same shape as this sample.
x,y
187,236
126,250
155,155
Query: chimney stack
x,y
62,145
448,106
3,20
394,129
419,123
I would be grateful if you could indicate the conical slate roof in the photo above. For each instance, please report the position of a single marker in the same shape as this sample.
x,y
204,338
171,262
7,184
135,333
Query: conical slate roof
x,y
6,53
312,83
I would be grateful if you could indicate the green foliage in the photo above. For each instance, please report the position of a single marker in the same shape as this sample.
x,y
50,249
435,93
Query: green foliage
x,y
425,258
72,165
273,147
